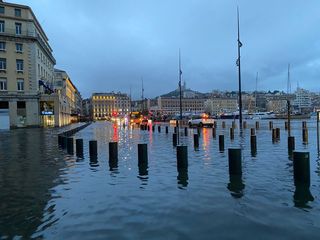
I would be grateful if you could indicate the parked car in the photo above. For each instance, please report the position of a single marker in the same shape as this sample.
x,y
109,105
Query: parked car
x,y
203,121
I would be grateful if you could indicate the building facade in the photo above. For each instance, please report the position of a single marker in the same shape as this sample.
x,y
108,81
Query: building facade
x,y
60,107
26,65
216,106
107,105
303,100
171,106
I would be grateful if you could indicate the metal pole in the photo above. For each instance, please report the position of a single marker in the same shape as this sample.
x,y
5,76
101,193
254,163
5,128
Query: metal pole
x,y
289,118
239,73
180,91
318,141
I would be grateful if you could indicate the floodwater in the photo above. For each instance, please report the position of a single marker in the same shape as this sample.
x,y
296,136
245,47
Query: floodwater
x,y
48,194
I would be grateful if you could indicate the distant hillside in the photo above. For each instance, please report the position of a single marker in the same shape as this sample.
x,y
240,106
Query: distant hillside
x,y
175,93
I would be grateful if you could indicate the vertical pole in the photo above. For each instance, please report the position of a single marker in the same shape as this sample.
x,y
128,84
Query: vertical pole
x,y
196,140
318,128
239,73
289,118
79,147
221,143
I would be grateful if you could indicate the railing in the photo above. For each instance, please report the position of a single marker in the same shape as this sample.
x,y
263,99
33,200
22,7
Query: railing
x,y
13,32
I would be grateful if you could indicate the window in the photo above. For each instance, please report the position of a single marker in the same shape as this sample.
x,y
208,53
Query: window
x,y
19,47
3,64
20,84
18,28
3,84
2,46
2,9
17,12
1,26
19,65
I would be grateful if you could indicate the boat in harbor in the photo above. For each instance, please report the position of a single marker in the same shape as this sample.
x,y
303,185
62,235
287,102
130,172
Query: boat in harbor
x,y
262,115
293,116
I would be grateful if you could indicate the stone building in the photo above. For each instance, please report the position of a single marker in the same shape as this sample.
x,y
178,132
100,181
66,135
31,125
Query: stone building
x,y
26,66
107,105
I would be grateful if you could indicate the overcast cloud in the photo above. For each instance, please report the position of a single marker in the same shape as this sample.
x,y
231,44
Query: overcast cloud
x,y
108,45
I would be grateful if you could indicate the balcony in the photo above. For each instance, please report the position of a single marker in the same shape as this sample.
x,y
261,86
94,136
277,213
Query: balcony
x,y
12,32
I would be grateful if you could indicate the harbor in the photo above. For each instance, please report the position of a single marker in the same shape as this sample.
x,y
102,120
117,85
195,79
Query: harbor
x,y
48,193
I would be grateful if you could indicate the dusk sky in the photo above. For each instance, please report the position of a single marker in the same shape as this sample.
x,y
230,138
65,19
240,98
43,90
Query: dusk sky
x,y
109,45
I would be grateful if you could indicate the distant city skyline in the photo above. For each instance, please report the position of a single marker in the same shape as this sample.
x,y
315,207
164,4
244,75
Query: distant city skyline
x,y
109,45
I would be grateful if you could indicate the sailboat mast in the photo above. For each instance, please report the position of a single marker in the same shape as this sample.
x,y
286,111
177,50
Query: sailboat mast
x,y
256,91
142,95
288,81
239,72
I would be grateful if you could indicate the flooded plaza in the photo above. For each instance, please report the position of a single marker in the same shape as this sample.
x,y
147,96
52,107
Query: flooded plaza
x,y
47,193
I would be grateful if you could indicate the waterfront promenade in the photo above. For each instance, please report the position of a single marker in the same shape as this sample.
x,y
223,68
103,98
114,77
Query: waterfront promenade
x,y
47,193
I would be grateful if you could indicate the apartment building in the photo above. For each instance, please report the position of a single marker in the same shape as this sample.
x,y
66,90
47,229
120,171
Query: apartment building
x,y
26,65
216,106
171,105
62,106
107,105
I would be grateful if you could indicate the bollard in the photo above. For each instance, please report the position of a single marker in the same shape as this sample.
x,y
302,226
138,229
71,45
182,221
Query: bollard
x,y
286,125
223,124
64,142
70,145
270,125
175,129
257,125
159,128
148,127
153,128
186,131
167,129
215,124
291,144
113,152
233,124
79,147
252,131
182,157
301,168
143,158
231,133
277,133
234,157
198,131
60,140
221,143
305,136
214,133
274,135
304,124
93,149
244,124
196,140
253,143
174,139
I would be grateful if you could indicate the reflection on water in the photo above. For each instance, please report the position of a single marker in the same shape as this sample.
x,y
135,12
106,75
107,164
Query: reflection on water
x,y
182,178
29,168
47,193
302,196
236,186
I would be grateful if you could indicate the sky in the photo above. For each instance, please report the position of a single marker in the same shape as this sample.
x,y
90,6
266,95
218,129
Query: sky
x,y
111,45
